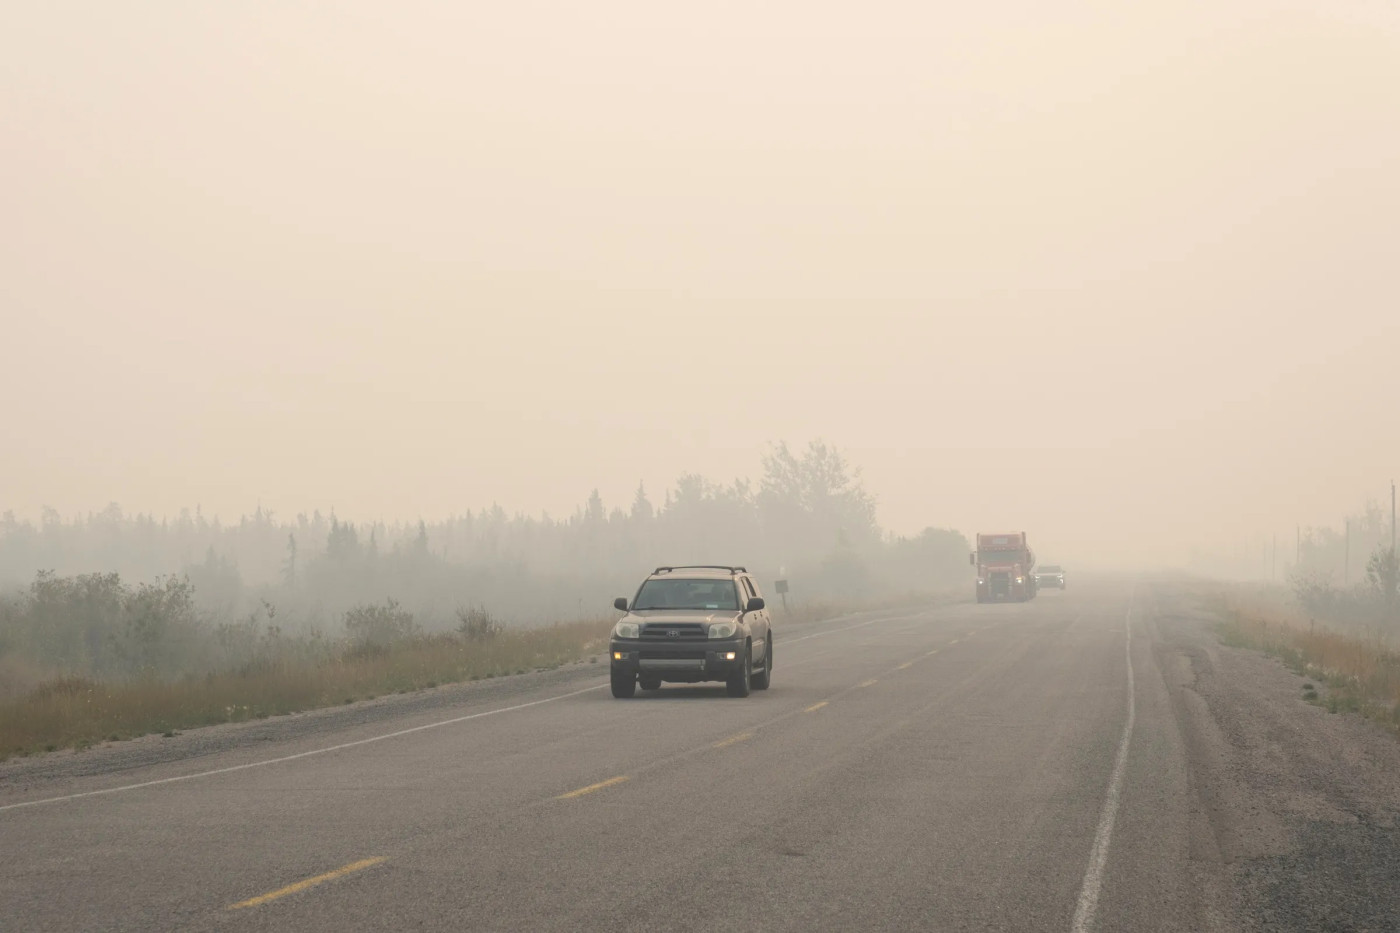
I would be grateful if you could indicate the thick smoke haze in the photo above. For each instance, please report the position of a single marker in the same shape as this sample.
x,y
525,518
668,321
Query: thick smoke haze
x,y
1124,278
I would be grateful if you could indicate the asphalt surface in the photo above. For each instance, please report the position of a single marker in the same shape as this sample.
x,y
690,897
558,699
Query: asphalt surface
x,y
962,768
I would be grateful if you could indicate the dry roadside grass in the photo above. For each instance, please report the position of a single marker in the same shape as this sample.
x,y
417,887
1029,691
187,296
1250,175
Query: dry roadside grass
x,y
1360,670
76,713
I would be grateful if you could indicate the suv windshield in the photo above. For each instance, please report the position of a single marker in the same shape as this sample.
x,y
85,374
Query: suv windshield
x,y
687,594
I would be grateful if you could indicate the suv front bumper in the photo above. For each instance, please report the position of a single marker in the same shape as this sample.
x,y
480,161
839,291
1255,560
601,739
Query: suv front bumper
x,y
691,662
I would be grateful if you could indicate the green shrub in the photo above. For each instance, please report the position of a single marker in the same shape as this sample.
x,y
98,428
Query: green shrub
x,y
375,626
476,624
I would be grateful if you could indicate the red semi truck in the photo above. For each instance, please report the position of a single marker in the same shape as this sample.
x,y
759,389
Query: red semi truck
x,y
1004,567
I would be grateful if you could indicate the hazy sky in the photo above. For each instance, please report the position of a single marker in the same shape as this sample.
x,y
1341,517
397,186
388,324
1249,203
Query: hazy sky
x,y
1087,269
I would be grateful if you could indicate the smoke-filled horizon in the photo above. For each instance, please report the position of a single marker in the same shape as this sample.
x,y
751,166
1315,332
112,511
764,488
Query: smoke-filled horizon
x,y
143,545
809,522
1122,279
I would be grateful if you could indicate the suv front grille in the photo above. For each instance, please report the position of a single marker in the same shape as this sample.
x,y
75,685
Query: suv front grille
x,y
683,631
687,654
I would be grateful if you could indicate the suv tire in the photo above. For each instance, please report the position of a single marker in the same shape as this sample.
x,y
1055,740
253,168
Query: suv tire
x,y
624,686
739,684
649,683
763,678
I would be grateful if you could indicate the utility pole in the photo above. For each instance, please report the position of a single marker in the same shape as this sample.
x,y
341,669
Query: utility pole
x,y
1392,518
1346,565
1273,562
1297,547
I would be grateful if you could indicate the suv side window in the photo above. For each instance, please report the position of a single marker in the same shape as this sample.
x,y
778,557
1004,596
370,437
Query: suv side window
x,y
752,587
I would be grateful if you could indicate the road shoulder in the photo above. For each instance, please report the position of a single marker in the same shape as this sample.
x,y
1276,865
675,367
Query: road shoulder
x,y
1295,809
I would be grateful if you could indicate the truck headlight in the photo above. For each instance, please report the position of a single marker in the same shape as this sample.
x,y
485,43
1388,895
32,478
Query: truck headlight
x,y
625,629
1020,579
724,629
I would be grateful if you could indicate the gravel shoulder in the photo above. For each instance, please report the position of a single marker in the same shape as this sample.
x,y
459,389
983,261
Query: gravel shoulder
x,y
1295,809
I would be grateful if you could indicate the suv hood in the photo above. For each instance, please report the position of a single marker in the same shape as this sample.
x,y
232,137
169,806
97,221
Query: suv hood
x,y
703,616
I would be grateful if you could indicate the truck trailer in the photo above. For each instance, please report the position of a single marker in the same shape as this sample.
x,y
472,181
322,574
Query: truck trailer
x,y
1005,568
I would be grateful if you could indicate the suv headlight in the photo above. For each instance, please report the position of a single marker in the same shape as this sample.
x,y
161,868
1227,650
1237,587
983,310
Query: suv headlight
x,y
724,629
625,629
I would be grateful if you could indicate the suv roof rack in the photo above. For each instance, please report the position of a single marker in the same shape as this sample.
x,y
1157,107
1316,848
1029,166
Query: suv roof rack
x,y
701,567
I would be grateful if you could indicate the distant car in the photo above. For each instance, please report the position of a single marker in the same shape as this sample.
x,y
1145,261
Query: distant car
x,y
1050,575
693,624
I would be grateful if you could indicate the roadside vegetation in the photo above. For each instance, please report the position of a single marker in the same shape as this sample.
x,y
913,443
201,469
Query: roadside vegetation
x,y
808,519
271,615
1345,640
382,653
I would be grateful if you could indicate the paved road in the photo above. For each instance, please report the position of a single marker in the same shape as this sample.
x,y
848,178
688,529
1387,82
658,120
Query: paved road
x,y
964,768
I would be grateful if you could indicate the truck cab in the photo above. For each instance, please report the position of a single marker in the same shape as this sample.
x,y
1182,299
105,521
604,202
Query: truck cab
x,y
1005,568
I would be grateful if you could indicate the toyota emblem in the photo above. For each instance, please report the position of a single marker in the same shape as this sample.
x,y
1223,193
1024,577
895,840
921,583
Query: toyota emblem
x,y
674,633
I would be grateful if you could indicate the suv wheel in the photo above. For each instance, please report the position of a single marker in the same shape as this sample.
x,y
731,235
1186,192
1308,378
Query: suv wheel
x,y
624,685
740,682
763,678
650,683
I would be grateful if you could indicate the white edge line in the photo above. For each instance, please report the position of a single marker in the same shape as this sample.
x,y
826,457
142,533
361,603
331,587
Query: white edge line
x,y
1098,856
896,617
835,631
308,754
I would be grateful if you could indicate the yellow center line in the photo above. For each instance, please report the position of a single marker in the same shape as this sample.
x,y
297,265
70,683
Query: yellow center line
x,y
869,683
955,641
308,883
592,787
931,653
814,707
733,739
905,666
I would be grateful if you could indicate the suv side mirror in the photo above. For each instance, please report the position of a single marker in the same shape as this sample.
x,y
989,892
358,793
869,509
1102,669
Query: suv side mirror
x,y
755,603
620,603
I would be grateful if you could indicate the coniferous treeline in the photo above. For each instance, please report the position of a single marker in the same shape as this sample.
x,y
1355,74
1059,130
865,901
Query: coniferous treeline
x,y
808,519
